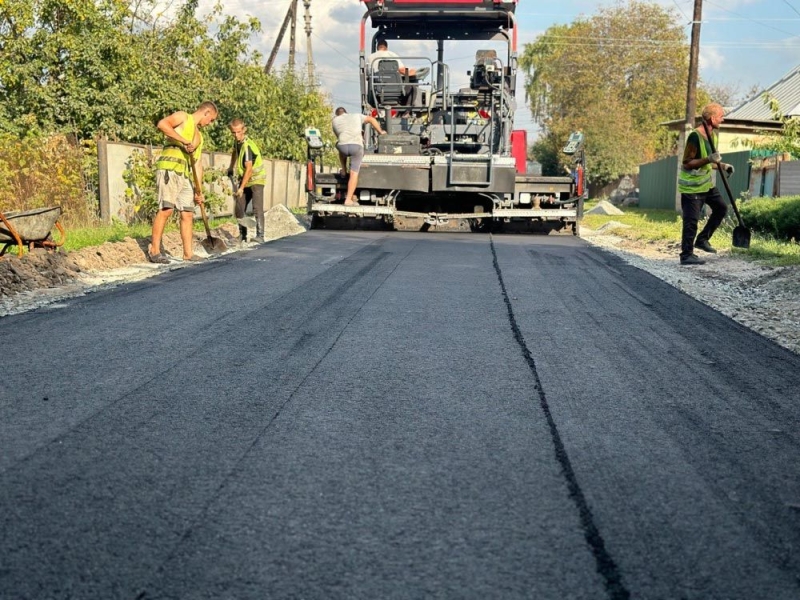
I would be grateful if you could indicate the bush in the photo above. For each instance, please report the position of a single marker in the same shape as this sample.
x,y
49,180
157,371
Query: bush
x,y
43,171
141,194
779,217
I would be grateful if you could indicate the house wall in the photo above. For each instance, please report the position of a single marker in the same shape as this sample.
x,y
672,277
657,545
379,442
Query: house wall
x,y
737,141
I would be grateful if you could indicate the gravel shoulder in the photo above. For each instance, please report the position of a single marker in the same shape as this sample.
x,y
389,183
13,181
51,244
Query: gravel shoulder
x,y
762,298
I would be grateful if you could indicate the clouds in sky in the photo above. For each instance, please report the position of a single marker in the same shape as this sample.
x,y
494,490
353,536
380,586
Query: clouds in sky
x,y
743,42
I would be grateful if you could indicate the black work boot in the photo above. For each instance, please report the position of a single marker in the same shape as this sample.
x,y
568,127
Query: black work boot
x,y
692,259
705,246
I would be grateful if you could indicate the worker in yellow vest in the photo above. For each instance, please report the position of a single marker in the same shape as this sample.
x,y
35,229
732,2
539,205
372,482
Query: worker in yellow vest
x,y
174,183
696,183
251,175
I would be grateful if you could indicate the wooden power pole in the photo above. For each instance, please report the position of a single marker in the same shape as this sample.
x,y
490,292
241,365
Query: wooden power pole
x,y
694,57
691,90
291,17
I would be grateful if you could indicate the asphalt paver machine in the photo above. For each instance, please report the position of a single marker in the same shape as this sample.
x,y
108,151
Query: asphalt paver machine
x,y
446,159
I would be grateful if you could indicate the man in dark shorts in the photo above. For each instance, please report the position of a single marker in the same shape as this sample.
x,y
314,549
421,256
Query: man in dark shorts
x,y
349,133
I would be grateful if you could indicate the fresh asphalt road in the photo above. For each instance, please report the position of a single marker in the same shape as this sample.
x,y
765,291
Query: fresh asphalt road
x,y
397,415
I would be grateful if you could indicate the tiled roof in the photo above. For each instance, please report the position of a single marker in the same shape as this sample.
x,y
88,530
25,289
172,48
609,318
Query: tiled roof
x,y
786,91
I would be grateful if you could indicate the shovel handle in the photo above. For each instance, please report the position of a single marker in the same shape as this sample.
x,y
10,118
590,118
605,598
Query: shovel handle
x,y
197,188
724,175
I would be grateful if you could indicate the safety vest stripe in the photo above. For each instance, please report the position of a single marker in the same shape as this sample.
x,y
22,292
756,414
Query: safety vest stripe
x,y
259,173
173,157
694,182
697,180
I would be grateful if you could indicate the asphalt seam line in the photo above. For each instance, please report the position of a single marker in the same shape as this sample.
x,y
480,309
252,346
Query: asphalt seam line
x,y
604,562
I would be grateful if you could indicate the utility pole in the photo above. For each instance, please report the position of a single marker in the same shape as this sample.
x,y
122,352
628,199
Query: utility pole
x,y
292,34
291,17
691,89
694,56
309,55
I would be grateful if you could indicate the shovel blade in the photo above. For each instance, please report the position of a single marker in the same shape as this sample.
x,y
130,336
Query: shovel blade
x,y
741,237
214,244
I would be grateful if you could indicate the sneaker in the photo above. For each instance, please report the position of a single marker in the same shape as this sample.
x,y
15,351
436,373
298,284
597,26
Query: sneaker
x,y
259,239
692,259
159,259
705,247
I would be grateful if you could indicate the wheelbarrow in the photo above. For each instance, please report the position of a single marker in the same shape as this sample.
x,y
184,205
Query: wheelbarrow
x,y
31,228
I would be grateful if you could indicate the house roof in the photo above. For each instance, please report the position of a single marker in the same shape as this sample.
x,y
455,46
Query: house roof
x,y
786,91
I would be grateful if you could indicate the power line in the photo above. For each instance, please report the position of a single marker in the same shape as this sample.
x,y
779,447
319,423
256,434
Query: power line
x,y
792,7
751,20
645,44
335,49
339,77
685,16
748,19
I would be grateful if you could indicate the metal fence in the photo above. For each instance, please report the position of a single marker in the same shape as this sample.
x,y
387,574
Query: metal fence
x,y
773,175
658,181
789,178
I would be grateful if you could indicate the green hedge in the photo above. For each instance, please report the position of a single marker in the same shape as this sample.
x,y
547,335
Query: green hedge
x,y
776,216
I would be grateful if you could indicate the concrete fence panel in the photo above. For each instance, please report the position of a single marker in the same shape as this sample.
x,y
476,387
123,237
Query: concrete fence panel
x,y
285,183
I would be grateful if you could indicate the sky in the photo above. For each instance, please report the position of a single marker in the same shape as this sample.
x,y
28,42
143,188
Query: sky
x,y
743,43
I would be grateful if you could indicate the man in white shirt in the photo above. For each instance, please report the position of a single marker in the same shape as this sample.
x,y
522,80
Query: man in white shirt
x,y
384,52
350,143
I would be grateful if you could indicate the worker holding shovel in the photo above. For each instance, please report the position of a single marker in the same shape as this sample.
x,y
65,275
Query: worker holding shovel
x,y
697,185
176,189
248,166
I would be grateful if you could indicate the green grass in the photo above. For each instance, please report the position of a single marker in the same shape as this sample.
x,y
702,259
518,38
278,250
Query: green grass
x,y
83,237
647,225
651,225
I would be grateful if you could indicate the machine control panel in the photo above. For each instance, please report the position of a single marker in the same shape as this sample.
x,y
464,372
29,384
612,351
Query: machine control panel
x,y
574,143
313,138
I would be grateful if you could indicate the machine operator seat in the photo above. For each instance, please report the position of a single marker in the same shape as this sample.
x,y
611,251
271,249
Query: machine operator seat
x,y
386,84
487,70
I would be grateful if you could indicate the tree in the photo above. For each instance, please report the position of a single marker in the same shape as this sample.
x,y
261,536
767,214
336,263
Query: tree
x,y
113,68
615,76
787,140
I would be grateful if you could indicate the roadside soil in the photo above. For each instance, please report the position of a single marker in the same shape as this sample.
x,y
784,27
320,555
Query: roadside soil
x,y
41,278
765,299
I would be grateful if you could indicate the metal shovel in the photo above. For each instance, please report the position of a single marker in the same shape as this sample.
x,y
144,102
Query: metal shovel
x,y
211,243
741,234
